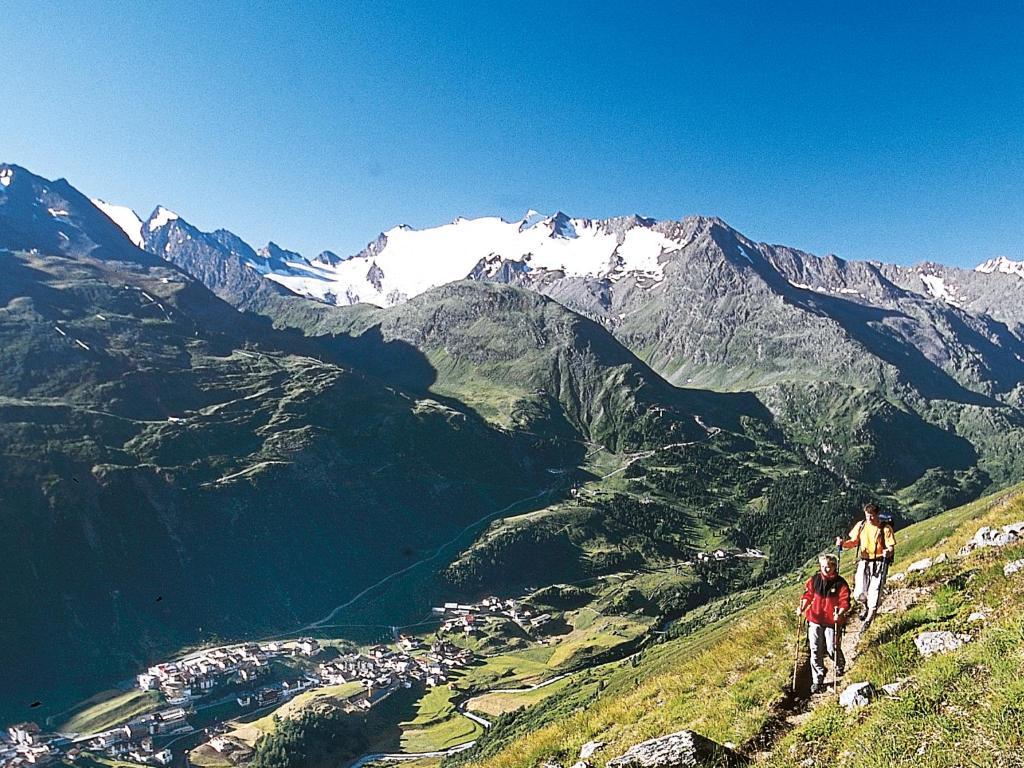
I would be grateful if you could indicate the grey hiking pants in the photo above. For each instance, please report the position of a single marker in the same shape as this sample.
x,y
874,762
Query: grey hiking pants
x,y
868,586
822,639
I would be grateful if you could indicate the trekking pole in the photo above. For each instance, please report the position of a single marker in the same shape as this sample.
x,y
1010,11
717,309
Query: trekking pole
x,y
796,653
839,641
835,650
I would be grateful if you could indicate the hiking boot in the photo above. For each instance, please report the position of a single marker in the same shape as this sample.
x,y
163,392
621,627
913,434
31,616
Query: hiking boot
x,y
860,605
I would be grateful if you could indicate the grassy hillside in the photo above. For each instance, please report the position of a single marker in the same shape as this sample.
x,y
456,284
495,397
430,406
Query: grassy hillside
x,y
728,678
106,709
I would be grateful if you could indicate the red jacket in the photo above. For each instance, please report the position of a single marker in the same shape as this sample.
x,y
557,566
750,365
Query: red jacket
x,y
823,596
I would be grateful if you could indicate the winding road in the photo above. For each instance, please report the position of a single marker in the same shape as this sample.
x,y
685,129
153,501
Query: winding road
x,y
437,553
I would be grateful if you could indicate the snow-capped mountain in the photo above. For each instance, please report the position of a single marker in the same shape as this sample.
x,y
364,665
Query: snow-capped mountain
x,y
54,217
1001,264
613,270
405,262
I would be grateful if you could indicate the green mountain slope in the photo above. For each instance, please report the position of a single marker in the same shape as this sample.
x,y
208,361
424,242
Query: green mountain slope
x,y
669,472
526,362
728,678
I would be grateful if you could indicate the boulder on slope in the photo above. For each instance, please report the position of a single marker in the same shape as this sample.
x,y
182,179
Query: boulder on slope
x,y
683,749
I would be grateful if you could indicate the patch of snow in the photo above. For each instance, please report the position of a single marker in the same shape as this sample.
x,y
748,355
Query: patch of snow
x,y
6,176
127,219
642,249
849,290
408,262
531,219
160,217
57,211
804,286
936,286
743,253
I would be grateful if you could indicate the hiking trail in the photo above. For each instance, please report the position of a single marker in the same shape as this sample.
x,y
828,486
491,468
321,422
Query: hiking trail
x,y
796,707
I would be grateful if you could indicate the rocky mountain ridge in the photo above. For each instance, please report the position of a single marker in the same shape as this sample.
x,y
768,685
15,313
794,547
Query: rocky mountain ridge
x,y
863,364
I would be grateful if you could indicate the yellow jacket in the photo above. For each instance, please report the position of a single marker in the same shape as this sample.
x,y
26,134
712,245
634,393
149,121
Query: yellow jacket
x,y
871,540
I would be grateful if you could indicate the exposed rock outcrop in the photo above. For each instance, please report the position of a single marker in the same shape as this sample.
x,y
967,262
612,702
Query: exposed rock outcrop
x,y
1013,567
588,749
857,695
683,749
992,537
930,643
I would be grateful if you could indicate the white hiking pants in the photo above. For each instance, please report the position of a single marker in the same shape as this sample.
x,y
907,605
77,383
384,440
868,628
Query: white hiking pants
x,y
822,639
868,586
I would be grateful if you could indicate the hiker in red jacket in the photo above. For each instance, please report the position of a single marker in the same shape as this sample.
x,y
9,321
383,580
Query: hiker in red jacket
x,y
825,604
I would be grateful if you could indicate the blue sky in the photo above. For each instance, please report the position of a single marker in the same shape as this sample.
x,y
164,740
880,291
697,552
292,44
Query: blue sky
x,y
862,129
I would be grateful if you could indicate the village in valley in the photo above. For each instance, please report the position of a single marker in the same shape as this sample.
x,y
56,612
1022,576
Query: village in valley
x,y
246,678
201,704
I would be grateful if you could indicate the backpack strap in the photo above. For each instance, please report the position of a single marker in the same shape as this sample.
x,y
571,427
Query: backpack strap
x,y
882,530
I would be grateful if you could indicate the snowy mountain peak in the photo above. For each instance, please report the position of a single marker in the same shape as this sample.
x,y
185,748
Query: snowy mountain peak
x,y
330,258
127,219
274,252
937,288
1001,264
562,226
531,219
403,262
160,217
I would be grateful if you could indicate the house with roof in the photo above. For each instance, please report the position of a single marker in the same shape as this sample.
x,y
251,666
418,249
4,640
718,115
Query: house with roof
x,y
24,733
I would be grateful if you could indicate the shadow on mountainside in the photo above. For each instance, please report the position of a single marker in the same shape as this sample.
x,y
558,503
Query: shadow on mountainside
x,y
877,330
868,325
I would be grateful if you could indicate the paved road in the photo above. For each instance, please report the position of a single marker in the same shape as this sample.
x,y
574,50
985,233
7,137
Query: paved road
x,y
401,757
437,553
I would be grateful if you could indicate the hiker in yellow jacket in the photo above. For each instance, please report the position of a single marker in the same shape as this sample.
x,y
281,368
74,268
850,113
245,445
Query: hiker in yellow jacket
x,y
876,546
